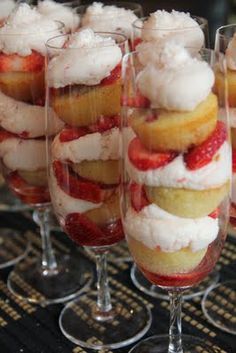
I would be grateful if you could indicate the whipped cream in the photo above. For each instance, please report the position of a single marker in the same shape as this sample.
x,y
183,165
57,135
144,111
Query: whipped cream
x,y
109,18
230,53
155,227
26,30
90,147
19,117
59,12
21,154
87,60
162,26
6,7
64,204
176,175
174,80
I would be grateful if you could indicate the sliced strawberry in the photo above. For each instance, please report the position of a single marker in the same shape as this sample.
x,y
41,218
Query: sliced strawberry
x,y
114,76
234,160
105,123
16,63
203,154
72,133
27,193
4,135
77,187
138,101
85,232
136,42
138,197
215,214
144,159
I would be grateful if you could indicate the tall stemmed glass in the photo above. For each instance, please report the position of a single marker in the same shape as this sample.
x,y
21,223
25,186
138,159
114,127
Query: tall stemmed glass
x,y
84,79
224,294
23,155
174,197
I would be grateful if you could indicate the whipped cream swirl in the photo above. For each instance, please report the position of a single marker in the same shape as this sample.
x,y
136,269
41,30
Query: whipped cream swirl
x,y
87,60
173,79
6,6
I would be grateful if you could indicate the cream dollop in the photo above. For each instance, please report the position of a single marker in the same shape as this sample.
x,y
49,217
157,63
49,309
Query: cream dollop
x,y
89,147
176,174
26,30
230,53
22,118
174,80
155,227
108,18
162,26
6,6
87,60
59,12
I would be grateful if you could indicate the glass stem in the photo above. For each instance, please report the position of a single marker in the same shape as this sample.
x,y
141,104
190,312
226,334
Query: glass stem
x,y
49,264
104,307
175,331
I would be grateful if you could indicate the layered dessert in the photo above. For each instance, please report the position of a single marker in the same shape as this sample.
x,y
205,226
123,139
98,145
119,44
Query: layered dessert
x,y
85,89
178,163
163,26
60,12
109,18
22,113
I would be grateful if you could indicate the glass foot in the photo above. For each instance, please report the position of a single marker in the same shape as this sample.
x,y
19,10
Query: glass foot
x,y
131,319
159,344
28,281
148,288
219,306
13,247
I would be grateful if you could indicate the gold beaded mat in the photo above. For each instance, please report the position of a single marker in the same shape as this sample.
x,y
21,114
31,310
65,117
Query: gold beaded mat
x,y
27,328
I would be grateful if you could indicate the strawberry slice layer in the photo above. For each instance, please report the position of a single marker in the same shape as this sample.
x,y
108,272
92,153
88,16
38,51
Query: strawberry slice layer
x,y
203,154
72,133
105,123
29,194
234,160
86,233
114,76
144,160
138,197
77,187
16,63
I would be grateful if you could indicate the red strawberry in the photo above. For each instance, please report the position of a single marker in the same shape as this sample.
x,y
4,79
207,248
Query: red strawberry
x,y
144,159
136,42
105,123
85,232
27,193
234,160
72,133
4,135
214,214
203,154
138,101
77,187
16,63
114,76
138,197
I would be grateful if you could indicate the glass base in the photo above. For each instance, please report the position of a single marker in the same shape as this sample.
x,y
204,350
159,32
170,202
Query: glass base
x,y
219,306
148,288
13,247
130,320
159,344
9,202
29,282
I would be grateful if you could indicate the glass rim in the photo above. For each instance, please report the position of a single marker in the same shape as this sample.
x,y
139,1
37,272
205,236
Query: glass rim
x,y
203,21
60,26
225,27
117,34
136,7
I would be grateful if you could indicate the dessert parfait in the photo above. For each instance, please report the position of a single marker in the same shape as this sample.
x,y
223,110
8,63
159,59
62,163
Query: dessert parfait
x,y
22,91
110,17
163,26
85,89
178,168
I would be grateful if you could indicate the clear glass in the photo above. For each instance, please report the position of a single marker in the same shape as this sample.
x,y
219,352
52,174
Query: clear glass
x,y
84,187
225,35
186,36
23,162
107,21
154,209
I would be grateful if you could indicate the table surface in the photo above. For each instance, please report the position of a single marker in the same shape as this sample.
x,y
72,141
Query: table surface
x,y
28,328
